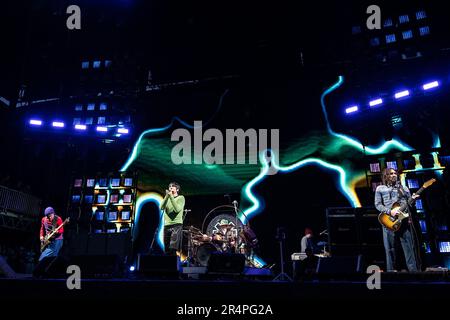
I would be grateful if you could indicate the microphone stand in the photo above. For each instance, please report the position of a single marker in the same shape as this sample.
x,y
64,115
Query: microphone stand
x,y
236,250
324,243
282,276
189,241
161,218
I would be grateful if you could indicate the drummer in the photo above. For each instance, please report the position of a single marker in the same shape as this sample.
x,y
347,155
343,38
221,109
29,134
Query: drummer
x,y
225,236
224,232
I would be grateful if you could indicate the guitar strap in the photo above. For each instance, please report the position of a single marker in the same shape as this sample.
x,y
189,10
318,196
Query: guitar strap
x,y
402,193
400,189
55,222
382,200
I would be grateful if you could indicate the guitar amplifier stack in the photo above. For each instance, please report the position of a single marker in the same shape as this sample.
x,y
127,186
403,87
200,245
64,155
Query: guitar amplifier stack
x,y
355,231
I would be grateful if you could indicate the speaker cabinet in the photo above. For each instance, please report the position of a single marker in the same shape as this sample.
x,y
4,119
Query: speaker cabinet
x,y
158,265
51,267
342,227
226,263
340,265
98,266
354,231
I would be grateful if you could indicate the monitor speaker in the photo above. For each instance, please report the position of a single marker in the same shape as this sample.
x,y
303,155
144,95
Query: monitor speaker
x,y
5,269
96,244
226,263
157,265
340,265
51,267
98,266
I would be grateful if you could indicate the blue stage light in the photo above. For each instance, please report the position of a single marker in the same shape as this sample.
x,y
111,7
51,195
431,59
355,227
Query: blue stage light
x,y
401,94
444,246
101,120
374,41
407,34
35,122
423,226
80,127
390,38
424,31
391,164
430,85
375,102
421,15
351,109
58,124
403,18
102,129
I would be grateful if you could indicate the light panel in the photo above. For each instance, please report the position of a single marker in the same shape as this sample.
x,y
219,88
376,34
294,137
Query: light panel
x,y
58,124
430,85
401,94
102,129
351,109
80,127
36,122
375,102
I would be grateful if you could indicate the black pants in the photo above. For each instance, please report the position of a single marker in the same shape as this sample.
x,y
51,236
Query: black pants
x,y
172,238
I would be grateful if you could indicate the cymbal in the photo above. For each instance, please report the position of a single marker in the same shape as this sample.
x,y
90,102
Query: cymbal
x,y
201,237
226,226
192,229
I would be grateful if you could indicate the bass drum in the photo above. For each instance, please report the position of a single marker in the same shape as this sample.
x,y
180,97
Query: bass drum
x,y
204,251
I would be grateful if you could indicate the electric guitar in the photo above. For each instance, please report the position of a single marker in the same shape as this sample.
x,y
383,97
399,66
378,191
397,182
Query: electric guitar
x,y
400,212
48,238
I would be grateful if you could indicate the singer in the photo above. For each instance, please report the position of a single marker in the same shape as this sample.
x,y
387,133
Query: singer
x,y
173,207
390,192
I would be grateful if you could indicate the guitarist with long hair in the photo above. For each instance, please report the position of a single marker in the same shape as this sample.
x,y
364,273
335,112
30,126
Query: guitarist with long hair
x,y
51,234
387,196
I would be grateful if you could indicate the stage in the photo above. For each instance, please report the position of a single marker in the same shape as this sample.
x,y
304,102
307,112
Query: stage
x,y
217,289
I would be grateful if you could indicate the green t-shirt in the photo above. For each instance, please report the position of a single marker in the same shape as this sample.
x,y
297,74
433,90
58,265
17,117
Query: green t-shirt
x,y
173,209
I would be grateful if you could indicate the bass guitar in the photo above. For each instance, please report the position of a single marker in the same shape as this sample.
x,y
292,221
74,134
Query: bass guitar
x,y
48,238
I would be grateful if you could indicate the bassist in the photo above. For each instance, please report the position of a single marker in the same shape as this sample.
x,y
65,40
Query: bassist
x,y
49,223
390,192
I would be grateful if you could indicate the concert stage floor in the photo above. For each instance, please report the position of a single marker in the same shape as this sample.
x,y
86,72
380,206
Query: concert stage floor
x,y
403,286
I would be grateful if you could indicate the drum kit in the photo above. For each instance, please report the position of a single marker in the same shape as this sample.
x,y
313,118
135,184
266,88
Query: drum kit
x,y
223,240
224,233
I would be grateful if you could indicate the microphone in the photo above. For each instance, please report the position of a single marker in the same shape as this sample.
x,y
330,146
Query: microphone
x,y
235,203
323,232
187,210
